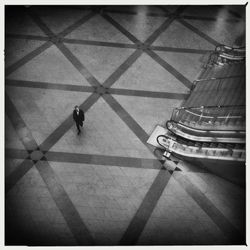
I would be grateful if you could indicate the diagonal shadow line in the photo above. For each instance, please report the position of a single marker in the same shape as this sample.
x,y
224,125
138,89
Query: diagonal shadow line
x,y
65,205
78,88
122,68
18,123
78,65
120,161
125,116
198,32
164,26
66,52
12,179
213,19
180,50
73,219
201,18
27,58
99,43
232,233
144,93
145,210
130,12
77,24
43,47
14,153
192,28
29,37
121,29
47,85
40,24
51,140
170,69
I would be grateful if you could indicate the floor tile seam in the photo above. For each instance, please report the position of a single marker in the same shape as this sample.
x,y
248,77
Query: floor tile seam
x,y
198,32
79,88
145,210
128,120
15,153
121,112
151,39
122,68
26,37
99,43
64,204
163,27
18,173
170,69
48,85
65,51
78,65
18,122
108,44
212,19
76,24
106,160
207,206
68,122
28,57
12,179
135,13
38,21
146,93
121,29
179,50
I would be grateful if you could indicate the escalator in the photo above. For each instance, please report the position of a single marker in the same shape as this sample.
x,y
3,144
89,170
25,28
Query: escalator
x,y
194,134
182,147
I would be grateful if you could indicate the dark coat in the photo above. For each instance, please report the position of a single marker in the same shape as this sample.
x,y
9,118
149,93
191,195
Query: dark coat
x,y
78,118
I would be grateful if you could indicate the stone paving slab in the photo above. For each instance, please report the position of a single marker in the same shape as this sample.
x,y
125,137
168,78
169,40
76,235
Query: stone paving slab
x,y
18,48
226,33
100,61
187,64
99,136
44,222
53,15
144,27
93,30
181,39
57,69
44,110
149,111
145,74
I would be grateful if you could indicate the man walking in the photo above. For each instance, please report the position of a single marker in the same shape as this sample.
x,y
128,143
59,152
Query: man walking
x,y
78,116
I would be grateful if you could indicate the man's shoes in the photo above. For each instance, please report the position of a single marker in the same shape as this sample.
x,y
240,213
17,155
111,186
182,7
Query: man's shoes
x,y
79,132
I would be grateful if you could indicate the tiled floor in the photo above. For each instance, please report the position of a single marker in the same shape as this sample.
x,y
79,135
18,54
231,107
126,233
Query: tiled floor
x,y
127,68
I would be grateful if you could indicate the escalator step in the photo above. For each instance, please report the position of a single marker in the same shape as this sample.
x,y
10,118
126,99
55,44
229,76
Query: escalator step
x,y
221,145
191,143
198,144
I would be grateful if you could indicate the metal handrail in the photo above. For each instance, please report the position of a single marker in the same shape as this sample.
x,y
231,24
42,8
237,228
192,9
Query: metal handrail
x,y
219,106
210,116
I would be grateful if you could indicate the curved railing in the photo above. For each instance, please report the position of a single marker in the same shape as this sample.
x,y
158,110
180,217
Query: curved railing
x,y
208,151
211,117
231,53
226,54
228,136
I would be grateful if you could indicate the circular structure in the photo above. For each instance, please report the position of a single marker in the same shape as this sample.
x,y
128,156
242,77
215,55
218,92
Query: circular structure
x,y
36,155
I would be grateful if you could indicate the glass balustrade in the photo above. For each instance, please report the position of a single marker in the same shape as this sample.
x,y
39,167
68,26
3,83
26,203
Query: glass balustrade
x,y
218,118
